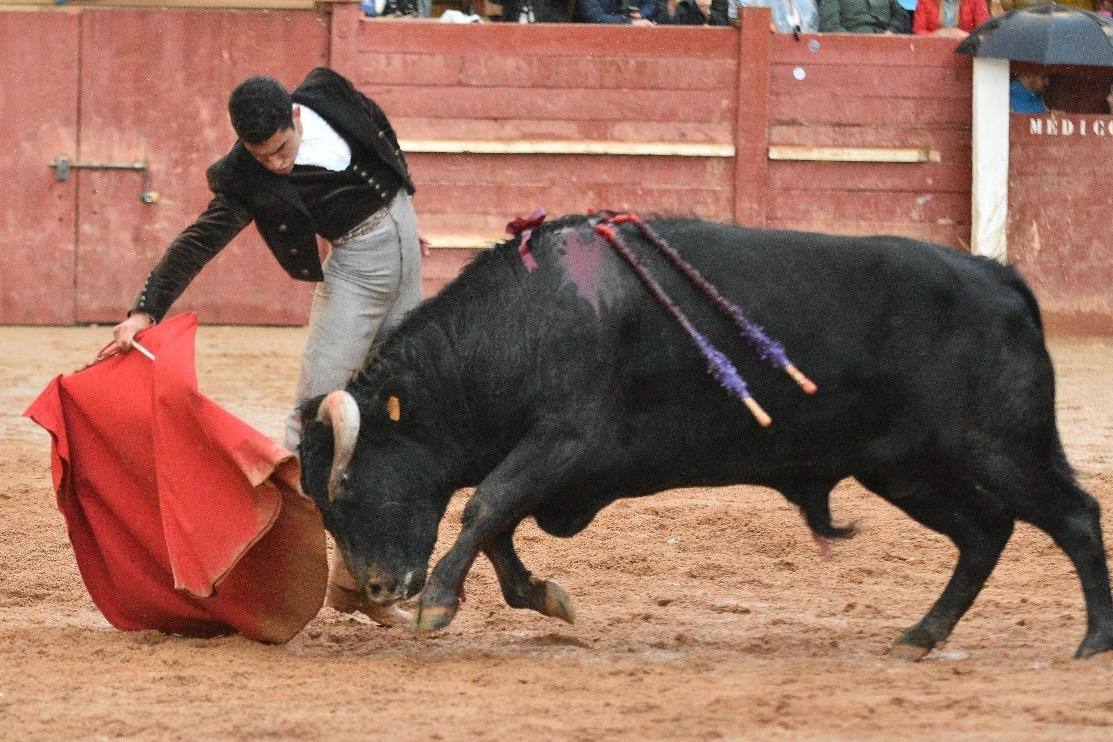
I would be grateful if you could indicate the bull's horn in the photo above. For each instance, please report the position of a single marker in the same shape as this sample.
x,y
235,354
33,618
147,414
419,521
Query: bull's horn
x,y
341,413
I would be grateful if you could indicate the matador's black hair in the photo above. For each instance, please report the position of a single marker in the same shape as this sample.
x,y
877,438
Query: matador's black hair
x,y
259,107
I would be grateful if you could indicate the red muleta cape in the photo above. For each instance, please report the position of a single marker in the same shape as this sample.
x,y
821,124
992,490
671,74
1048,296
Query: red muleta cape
x,y
182,517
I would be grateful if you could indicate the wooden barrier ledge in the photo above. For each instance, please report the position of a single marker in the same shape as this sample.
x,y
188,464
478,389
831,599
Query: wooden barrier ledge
x,y
565,147
853,154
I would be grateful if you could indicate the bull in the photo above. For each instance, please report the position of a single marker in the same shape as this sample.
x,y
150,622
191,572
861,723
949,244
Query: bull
x,y
551,380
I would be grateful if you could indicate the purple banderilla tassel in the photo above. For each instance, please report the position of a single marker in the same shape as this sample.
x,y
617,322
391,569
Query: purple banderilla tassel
x,y
768,349
718,365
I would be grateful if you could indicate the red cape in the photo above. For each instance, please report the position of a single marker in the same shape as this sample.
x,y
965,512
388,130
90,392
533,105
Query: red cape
x,y
182,517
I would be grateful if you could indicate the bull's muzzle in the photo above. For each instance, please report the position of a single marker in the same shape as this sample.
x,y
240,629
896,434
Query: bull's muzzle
x,y
340,412
383,588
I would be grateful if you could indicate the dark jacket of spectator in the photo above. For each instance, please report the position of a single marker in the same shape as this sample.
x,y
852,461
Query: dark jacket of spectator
x,y
863,16
690,13
544,11
686,13
613,11
927,19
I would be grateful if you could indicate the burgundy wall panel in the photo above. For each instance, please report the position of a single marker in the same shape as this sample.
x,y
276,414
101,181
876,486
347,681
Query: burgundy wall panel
x,y
511,83
1059,214
154,88
38,101
861,91
153,85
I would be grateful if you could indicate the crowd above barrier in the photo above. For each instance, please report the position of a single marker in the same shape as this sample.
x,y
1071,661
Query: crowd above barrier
x,y
1032,91
949,18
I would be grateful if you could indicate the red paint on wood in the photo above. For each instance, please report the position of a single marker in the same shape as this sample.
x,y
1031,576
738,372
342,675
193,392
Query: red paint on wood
x,y
751,134
863,81
841,107
864,49
39,123
834,206
542,40
1058,217
443,265
517,69
542,103
174,117
951,235
510,199
565,171
925,177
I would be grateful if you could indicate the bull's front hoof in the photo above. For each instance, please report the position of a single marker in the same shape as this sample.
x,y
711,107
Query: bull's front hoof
x,y
390,615
914,644
434,617
1095,643
909,652
557,603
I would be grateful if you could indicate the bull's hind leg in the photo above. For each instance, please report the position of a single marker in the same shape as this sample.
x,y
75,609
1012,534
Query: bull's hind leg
x,y
1056,504
520,588
979,533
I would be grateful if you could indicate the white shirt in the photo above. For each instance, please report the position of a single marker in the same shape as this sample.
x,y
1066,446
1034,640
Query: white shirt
x,y
320,144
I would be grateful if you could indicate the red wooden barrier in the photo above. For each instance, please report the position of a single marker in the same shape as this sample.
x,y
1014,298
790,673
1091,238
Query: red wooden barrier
x,y
154,87
731,124
861,92
39,122
548,83
1060,204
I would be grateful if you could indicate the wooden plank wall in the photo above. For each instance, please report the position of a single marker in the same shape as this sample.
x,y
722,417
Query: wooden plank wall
x,y
154,87
38,123
841,90
1059,211
549,85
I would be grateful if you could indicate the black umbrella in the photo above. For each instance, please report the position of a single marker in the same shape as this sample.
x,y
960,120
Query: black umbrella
x,y
1044,34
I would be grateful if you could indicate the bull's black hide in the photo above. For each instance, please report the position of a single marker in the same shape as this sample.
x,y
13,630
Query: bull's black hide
x,y
558,390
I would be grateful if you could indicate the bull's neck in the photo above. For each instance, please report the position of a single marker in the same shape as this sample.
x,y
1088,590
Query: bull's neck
x,y
450,370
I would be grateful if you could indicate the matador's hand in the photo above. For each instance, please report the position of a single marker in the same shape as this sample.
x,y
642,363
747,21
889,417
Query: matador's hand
x,y
126,330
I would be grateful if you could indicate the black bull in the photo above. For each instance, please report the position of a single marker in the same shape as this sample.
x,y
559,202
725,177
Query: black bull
x,y
558,390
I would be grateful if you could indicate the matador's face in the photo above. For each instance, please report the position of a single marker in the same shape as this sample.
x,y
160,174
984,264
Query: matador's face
x,y
277,154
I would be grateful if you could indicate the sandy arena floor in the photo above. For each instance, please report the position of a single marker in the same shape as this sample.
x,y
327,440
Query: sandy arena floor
x,y
703,614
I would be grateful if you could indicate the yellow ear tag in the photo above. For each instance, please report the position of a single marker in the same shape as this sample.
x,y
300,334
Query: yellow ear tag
x,y
393,408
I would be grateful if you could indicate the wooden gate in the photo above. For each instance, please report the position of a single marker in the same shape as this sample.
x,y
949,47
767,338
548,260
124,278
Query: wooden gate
x,y
37,212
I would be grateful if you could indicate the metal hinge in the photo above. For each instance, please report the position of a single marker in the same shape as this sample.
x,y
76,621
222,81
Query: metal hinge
x,y
62,166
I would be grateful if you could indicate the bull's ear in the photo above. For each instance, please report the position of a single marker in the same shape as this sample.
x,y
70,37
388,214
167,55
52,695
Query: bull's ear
x,y
394,408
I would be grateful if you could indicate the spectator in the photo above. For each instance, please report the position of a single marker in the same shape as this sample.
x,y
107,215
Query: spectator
x,y
1104,8
863,16
684,12
1026,92
1109,100
631,12
694,12
949,18
537,11
789,16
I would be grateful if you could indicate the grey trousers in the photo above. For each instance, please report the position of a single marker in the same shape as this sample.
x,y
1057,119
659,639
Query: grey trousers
x,y
371,282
